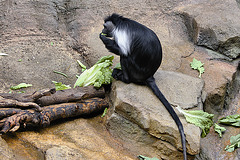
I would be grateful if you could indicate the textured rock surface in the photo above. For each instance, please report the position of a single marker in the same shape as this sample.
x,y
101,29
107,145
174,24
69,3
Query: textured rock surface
x,y
76,139
52,35
5,151
220,30
138,105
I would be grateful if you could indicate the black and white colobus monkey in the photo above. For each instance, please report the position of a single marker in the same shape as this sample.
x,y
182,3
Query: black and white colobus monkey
x,y
140,54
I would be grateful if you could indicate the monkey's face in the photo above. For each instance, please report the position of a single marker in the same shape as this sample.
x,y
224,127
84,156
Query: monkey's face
x,y
108,29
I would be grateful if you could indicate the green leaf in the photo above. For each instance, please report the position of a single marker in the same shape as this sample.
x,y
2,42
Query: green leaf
x,y
98,74
60,86
201,71
219,129
235,143
104,112
103,34
61,73
21,85
198,118
105,58
233,120
82,65
197,65
147,158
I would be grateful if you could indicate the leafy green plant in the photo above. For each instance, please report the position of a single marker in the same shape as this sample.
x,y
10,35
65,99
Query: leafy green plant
x,y
233,120
198,65
98,74
60,86
219,129
21,85
235,143
198,118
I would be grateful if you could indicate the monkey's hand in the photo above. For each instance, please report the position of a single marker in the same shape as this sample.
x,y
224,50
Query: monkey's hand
x,y
106,40
110,44
102,36
117,73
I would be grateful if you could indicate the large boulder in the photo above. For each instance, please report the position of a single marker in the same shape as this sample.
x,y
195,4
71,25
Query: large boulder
x,y
214,24
141,108
77,139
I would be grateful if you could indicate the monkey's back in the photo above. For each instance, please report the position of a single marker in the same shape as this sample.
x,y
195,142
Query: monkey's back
x,y
145,54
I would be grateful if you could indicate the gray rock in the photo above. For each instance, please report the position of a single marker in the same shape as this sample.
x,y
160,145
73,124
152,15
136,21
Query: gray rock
x,y
5,152
238,3
140,106
62,153
214,25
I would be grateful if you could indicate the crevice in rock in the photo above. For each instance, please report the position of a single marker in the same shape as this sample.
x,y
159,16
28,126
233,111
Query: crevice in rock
x,y
66,17
233,88
207,38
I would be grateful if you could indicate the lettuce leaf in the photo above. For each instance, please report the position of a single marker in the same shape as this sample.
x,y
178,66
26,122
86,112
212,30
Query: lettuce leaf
x,y
98,74
235,143
219,129
147,158
63,74
21,85
104,112
60,86
233,120
198,65
82,65
3,54
198,118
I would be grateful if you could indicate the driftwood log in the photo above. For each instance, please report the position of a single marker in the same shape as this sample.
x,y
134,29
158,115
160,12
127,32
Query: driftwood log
x,y
84,101
50,96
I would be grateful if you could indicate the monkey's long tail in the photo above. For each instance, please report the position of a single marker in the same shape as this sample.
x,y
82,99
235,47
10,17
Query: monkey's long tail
x,y
152,84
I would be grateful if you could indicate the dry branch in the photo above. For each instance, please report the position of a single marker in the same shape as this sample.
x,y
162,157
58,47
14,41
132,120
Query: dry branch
x,y
6,112
25,97
82,98
24,100
51,113
47,97
71,95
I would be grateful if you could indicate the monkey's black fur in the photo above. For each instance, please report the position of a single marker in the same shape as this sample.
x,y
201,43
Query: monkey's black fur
x,y
140,54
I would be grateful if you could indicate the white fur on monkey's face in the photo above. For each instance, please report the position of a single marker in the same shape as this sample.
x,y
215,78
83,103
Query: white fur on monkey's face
x,y
121,36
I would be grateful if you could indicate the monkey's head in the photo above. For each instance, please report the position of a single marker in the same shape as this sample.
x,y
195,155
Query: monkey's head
x,y
108,29
111,23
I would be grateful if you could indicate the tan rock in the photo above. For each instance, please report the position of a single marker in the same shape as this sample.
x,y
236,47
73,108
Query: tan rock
x,y
138,105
